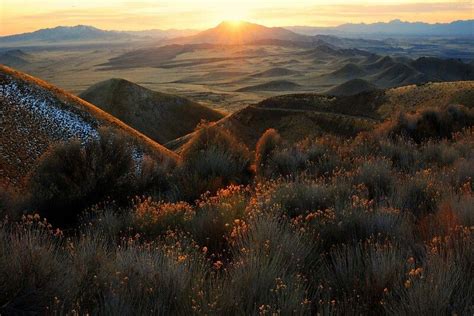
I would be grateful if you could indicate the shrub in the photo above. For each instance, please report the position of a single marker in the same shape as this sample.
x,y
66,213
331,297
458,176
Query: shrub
x,y
215,217
154,178
264,276
417,194
438,153
435,286
403,154
361,274
72,176
431,123
321,157
294,198
358,224
212,159
107,220
32,271
266,145
158,281
377,176
312,157
464,172
155,218
289,162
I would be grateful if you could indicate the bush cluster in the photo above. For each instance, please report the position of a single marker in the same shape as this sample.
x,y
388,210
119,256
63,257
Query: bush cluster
x,y
381,224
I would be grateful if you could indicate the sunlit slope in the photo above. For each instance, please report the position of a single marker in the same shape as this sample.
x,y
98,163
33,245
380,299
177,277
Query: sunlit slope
x,y
35,115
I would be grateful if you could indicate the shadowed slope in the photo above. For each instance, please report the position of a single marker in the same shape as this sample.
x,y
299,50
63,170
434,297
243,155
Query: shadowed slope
x,y
162,117
352,87
275,85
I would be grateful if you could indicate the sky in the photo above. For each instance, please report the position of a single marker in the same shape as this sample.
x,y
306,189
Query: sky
x,y
18,16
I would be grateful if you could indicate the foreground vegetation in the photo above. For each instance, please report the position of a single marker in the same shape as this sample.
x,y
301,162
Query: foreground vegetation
x,y
379,224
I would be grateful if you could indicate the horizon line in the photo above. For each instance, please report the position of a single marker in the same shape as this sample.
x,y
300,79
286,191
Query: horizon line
x,y
241,21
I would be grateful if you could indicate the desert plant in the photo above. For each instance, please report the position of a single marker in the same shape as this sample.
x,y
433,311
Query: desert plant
x,y
361,274
266,145
294,198
431,123
377,176
31,267
72,176
264,278
211,160
155,218
216,216
418,194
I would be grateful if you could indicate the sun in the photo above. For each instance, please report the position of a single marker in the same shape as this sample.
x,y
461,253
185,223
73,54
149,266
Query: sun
x,y
234,15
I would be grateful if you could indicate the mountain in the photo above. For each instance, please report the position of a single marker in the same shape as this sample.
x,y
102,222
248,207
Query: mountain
x,y
241,33
162,117
35,115
66,34
393,28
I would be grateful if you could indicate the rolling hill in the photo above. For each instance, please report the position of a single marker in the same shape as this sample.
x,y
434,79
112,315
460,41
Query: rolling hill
x,y
348,71
35,115
15,58
275,85
162,117
297,116
352,87
275,72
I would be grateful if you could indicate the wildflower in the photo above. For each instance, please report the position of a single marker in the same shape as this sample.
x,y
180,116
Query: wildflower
x,y
218,264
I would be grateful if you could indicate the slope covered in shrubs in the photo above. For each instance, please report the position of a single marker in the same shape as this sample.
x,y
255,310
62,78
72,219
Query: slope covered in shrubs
x,y
379,224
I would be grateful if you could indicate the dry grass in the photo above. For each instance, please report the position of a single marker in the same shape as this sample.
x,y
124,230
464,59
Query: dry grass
x,y
372,225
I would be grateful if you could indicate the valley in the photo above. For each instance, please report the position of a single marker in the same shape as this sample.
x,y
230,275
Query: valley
x,y
228,75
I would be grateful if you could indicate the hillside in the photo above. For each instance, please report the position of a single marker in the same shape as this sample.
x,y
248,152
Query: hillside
x,y
275,72
297,116
275,85
15,58
35,115
162,117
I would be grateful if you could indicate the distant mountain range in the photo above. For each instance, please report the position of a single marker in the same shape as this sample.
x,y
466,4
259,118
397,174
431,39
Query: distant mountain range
x,y
244,32
392,28
84,33
66,33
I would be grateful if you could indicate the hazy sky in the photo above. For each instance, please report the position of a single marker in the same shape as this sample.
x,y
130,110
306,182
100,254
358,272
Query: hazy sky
x,y
27,15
